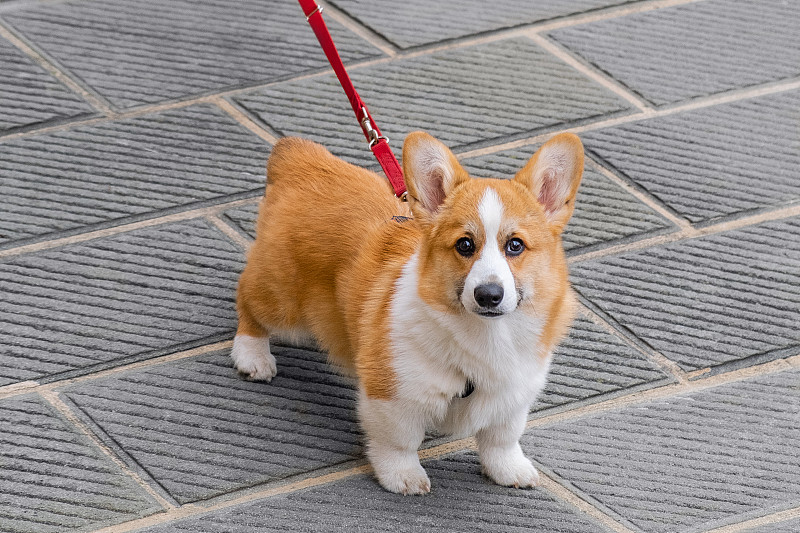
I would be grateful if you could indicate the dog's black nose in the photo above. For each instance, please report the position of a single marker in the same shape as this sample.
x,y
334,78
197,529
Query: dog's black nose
x,y
489,295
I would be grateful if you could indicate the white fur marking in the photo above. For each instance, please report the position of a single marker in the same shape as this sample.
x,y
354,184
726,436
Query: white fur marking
x,y
501,454
393,437
433,353
491,266
252,357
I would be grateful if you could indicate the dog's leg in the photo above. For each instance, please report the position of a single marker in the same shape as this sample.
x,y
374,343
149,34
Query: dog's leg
x,y
501,454
251,354
393,436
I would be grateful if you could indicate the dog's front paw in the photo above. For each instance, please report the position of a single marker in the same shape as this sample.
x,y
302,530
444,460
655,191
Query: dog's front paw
x,y
398,470
509,468
406,481
252,358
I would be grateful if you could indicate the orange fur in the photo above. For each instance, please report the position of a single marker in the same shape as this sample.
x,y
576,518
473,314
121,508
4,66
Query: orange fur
x,y
317,215
328,254
544,263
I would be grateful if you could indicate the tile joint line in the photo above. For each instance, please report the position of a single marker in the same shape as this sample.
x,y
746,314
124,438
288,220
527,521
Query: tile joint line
x,y
659,359
57,403
179,216
96,101
230,232
605,81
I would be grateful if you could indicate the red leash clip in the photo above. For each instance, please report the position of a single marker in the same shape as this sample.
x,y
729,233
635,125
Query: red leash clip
x,y
378,143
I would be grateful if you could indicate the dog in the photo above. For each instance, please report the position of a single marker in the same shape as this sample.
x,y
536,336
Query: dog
x,y
446,308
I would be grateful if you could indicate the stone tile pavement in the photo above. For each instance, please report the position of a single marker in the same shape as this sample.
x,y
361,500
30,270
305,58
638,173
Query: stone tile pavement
x,y
133,137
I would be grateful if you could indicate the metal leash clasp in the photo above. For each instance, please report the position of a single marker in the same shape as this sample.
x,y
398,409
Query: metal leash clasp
x,y
372,133
318,9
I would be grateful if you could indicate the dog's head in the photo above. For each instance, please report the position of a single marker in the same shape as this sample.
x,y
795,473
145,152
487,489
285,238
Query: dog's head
x,y
492,246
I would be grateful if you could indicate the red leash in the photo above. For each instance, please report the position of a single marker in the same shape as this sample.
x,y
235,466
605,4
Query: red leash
x,y
377,142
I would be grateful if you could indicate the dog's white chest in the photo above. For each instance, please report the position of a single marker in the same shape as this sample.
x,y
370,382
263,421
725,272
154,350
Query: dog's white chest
x,y
434,354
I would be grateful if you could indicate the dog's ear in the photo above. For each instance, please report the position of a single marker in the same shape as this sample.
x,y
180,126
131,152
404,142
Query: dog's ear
x,y
431,172
553,174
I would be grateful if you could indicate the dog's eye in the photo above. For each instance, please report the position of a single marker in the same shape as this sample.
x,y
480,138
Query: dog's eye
x,y
465,246
514,247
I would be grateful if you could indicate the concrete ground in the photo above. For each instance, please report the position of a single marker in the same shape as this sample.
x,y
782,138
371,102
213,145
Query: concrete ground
x,y
133,137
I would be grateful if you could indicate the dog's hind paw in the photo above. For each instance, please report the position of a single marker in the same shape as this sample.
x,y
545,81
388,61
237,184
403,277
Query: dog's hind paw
x,y
252,358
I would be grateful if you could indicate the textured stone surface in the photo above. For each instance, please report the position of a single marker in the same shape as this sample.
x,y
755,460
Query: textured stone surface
x,y
53,479
418,22
687,462
149,51
200,430
244,218
460,501
591,362
29,95
91,175
713,162
706,301
107,301
489,92
671,54
604,211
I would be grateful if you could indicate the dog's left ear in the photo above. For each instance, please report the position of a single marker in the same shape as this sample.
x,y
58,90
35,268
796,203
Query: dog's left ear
x,y
553,174
431,172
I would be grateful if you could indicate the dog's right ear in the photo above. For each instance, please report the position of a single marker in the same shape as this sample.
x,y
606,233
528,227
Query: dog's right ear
x,y
431,173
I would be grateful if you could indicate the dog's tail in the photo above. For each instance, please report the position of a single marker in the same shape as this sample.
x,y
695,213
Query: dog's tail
x,y
293,156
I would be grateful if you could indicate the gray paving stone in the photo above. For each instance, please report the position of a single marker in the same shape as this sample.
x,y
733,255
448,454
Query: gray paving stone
x,y
711,163
200,430
150,51
53,479
95,175
29,95
673,54
686,463
479,94
81,307
418,22
244,218
728,298
591,362
460,501
604,211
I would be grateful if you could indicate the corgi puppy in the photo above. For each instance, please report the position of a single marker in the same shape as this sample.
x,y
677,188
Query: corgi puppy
x,y
446,308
